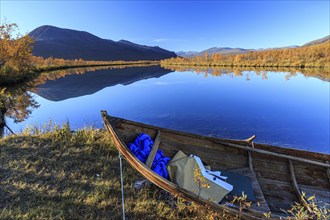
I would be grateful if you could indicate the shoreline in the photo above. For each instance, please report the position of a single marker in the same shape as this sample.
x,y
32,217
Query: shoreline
x,y
243,66
126,63
36,72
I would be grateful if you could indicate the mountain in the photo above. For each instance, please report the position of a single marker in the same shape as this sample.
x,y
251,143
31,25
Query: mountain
x,y
277,48
318,41
187,54
63,43
76,85
229,50
214,50
224,51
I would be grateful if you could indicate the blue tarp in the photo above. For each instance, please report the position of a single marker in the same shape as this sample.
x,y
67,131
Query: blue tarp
x,y
141,148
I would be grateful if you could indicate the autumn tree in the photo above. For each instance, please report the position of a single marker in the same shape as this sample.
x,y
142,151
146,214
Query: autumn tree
x,y
15,54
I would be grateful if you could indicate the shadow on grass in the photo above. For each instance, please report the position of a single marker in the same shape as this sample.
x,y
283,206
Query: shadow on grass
x,y
40,178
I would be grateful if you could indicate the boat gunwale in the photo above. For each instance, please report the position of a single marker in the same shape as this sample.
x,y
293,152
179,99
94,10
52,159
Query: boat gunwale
x,y
322,157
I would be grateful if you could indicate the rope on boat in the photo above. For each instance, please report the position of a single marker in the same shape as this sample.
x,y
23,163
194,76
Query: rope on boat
x,y
122,185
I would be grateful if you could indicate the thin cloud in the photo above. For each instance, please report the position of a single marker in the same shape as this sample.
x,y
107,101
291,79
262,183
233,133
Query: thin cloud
x,y
161,40
166,40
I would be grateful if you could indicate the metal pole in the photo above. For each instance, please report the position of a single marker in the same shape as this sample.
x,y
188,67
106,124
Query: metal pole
x,y
122,185
9,129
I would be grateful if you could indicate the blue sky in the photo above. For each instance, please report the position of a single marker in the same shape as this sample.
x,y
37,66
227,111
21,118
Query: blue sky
x,y
181,25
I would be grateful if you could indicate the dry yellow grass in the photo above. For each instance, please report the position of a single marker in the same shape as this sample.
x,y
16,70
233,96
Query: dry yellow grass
x,y
64,175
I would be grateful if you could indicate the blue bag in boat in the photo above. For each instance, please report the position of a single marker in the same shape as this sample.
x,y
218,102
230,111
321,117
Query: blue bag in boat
x,y
141,148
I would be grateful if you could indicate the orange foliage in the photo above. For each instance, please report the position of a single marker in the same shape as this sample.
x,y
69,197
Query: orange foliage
x,y
15,53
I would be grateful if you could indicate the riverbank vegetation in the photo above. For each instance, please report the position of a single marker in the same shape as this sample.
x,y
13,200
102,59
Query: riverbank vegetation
x,y
50,172
50,64
306,56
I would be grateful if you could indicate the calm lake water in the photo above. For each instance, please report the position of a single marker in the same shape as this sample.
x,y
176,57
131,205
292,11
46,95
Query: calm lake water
x,y
285,112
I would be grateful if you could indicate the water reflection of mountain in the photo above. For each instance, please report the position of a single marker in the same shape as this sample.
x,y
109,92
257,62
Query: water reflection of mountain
x,y
76,85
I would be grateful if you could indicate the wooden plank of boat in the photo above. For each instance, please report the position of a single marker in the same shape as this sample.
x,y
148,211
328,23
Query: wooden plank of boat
x,y
269,170
257,189
153,151
294,182
278,155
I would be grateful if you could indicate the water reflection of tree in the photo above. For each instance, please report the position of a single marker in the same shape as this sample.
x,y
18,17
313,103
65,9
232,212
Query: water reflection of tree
x,y
323,74
16,103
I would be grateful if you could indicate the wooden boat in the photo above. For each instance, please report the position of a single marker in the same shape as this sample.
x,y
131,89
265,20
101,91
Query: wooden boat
x,y
278,175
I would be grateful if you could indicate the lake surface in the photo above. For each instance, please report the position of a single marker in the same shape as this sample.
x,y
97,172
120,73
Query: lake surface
x,y
285,112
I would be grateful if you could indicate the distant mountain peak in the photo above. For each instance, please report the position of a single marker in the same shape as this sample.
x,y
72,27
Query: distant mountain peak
x,y
125,41
187,54
214,50
48,32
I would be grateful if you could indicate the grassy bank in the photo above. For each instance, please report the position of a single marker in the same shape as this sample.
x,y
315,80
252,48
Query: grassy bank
x,y
52,173
60,175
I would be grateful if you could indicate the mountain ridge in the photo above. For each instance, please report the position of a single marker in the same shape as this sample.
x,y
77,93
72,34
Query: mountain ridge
x,y
233,51
317,41
51,41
